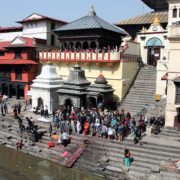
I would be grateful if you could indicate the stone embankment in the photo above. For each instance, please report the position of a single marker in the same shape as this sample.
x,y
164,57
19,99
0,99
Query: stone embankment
x,y
102,156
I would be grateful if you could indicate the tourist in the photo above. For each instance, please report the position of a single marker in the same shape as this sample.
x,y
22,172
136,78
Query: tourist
x,y
19,145
78,127
42,110
21,126
65,138
127,158
60,139
110,133
86,127
4,98
30,124
121,130
104,131
46,111
19,108
5,108
2,109
15,111
56,122
50,129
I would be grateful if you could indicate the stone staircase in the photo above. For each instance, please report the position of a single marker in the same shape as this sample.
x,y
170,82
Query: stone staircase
x,y
9,136
105,157
142,91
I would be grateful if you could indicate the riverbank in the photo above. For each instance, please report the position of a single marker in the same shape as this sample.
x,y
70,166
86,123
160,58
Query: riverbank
x,y
99,156
16,165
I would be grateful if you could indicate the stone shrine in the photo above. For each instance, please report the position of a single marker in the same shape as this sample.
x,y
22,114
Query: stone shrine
x,y
100,92
44,87
73,91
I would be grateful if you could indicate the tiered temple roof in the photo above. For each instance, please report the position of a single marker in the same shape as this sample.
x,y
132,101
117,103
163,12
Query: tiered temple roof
x,y
76,84
48,78
100,86
91,21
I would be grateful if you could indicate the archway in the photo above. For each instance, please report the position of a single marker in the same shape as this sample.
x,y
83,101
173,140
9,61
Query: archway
x,y
12,90
91,102
20,91
85,45
68,103
93,45
64,46
153,47
40,102
78,45
100,101
71,45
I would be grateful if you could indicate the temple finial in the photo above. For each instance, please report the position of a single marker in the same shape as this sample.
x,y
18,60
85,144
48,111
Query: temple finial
x,y
156,20
92,11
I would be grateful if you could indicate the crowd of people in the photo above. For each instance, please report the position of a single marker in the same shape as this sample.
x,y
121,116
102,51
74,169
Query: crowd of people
x,y
102,123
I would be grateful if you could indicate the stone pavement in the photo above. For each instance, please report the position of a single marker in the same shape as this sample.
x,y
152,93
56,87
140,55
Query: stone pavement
x,y
25,110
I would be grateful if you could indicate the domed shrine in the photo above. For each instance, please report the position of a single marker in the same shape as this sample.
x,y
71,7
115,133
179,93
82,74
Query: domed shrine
x,y
76,91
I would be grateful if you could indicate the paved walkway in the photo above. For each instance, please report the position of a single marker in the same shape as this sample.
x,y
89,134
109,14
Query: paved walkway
x,y
25,110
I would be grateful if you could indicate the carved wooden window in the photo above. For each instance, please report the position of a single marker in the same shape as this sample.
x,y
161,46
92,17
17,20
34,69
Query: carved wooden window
x,y
18,73
17,53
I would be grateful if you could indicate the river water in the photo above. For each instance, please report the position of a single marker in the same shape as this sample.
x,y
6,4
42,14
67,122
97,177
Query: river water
x,y
15,165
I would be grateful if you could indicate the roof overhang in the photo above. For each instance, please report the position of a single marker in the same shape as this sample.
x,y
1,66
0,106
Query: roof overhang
x,y
176,80
165,77
157,5
17,61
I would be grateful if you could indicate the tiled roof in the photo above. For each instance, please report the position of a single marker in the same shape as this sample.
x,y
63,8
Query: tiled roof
x,y
28,42
17,61
41,17
9,29
92,21
3,44
146,18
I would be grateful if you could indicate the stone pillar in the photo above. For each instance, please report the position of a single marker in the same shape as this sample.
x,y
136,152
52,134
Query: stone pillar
x,y
9,92
17,92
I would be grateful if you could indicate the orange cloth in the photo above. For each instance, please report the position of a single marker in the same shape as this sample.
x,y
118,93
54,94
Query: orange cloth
x,y
55,137
86,125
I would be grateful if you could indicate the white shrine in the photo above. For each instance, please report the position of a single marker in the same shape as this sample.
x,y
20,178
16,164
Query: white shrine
x,y
44,87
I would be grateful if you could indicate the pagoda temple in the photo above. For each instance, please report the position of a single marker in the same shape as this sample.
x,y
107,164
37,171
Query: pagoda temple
x,y
98,47
90,32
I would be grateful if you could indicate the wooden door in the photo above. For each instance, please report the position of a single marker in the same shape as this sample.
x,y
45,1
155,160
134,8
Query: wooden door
x,y
153,55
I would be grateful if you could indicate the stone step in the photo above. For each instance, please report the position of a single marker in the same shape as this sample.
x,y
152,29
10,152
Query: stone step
x,y
147,90
147,146
139,100
170,175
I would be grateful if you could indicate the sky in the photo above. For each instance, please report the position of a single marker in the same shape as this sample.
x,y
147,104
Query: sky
x,y
69,10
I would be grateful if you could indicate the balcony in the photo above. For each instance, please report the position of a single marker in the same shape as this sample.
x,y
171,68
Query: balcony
x,y
81,56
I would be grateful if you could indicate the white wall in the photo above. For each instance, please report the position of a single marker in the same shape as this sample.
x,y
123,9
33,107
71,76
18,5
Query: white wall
x,y
35,29
173,4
